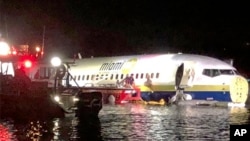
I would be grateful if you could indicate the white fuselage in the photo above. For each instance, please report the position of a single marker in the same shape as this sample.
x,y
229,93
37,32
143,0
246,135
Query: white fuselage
x,y
101,70
202,75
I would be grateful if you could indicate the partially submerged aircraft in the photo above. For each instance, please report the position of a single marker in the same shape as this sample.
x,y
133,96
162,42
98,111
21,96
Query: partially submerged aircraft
x,y
163,76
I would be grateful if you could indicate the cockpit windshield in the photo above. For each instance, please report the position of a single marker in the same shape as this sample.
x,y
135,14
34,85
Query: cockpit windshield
x,y
217,72
227,72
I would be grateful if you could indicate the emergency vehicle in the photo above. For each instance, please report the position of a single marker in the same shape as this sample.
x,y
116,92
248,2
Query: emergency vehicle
x,y
13,78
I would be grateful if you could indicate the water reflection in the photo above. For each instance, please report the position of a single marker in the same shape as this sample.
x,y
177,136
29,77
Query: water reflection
x,y
134,122
6,131
239,116
172,123
75,129
89,129
32,131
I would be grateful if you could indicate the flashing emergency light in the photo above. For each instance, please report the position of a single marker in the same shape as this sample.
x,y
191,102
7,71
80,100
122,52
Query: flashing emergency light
x,y
27,63
4,48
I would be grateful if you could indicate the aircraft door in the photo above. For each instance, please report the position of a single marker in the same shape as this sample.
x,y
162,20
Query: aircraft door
x,y
179,75
185,75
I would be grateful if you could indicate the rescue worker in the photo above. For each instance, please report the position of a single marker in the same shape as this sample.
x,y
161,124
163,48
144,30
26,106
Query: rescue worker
x,y
127,80
131,80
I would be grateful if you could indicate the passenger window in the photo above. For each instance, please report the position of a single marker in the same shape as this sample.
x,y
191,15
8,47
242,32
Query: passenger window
x,y
157,75
82,77
136,76
92,77
152,75
106,77
141,75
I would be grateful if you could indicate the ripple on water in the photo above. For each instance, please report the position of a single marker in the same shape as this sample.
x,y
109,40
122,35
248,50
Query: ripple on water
x,y
135,122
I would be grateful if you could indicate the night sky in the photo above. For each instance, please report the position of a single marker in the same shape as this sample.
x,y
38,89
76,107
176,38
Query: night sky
x,y
127,27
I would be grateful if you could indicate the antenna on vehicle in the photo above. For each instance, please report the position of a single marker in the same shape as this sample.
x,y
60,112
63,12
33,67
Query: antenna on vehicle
x,y
43,42
6,28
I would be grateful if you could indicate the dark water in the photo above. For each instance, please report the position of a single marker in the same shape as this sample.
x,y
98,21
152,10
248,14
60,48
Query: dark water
x,y
134,122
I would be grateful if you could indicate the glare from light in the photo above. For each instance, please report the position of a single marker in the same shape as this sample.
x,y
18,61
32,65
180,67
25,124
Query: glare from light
x,y
57,98
56,124
152,112
4,49
187,97
128,91
38,49
230,104
27,63
14,52
75,99
56,61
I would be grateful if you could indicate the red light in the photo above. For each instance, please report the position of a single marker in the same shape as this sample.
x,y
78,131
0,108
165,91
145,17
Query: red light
x,y
5,134
27,63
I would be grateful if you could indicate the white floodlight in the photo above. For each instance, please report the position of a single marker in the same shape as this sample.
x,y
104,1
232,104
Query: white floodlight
x,y
57,98
56,61
38,49
4,48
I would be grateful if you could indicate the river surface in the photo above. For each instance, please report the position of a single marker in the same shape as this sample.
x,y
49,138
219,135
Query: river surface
x,y
134,122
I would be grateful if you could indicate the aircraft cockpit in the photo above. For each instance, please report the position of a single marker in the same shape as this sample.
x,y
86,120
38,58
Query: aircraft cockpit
x,y
217,72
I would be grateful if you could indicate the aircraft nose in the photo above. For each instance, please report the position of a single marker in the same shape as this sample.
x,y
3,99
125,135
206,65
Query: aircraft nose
x,y
239,89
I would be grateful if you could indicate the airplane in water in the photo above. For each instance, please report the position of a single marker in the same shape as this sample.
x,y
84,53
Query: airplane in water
x,y
160,76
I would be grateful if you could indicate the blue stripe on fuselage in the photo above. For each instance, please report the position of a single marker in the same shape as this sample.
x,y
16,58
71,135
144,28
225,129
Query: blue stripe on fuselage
x,y
196,95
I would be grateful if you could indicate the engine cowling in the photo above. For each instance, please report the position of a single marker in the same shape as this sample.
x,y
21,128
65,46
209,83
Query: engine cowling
x,y
238,89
